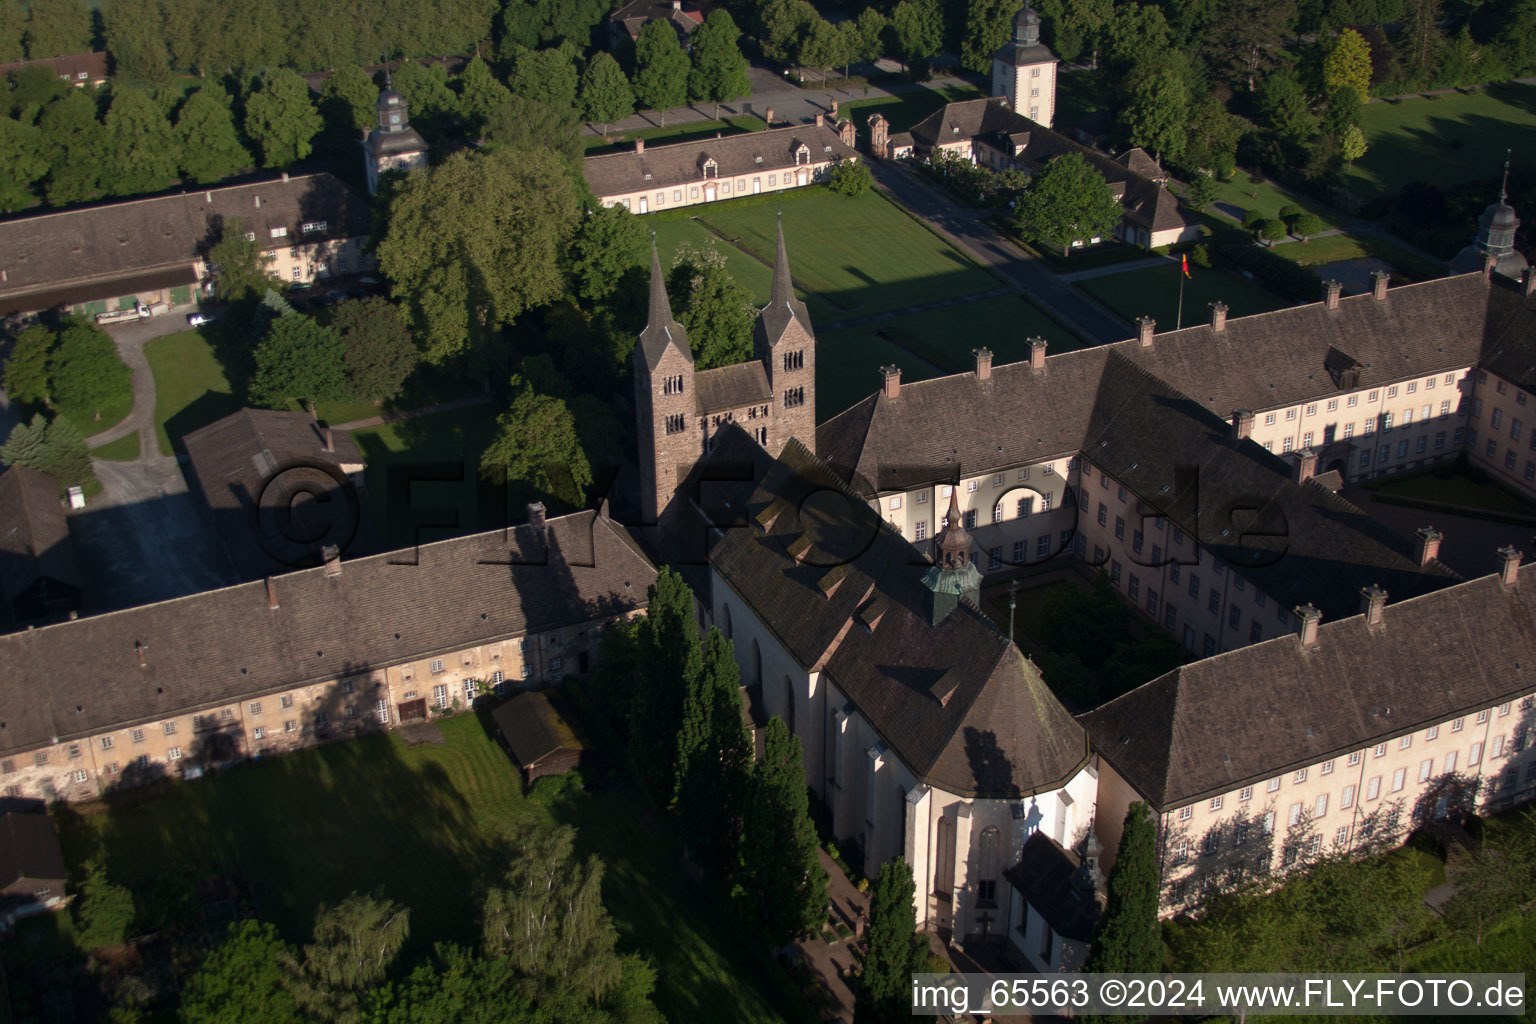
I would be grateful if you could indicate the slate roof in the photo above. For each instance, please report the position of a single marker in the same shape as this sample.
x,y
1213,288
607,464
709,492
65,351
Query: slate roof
x,y
682,163
115,241
34,534
956,702
29,848
266,458
77,678
1138,161
731,387
1146,202
1250,714
1043,876
533,728
94,65
633,16
1511,335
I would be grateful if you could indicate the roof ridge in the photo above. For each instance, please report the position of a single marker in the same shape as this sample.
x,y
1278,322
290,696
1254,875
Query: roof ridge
x,y
183,194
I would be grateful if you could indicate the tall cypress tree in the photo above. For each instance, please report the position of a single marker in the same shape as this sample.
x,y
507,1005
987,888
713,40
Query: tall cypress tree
x,y
785,885
895,950
1129,938
670,664
717,765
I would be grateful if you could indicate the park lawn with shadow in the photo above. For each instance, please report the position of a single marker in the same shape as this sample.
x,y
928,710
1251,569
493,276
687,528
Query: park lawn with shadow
x,y
196,382
848,364
124,449
1154,292
1446,139
427,825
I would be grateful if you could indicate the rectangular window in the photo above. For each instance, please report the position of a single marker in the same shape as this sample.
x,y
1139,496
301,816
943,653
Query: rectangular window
x,y
920,531
255,707
169,728
290,726
1373,788
258,733
1235,618
1114,571
1456,725
1194,585
174,754
286,701
1300,777
1216,803
1405,742
1103,514
1475,755
894,503
1293,817
1381,750
106,743
1245,794
1482,716
1399,777
1290,414
1450,762
137,735
1352,401
1170,613
997,512
1025,507
1426,767
1255,633
1349,430
1043,546
1133,587
1119,528
1326,768
1347,800
994,559
1274,784
1020,552
1320,806
436,667
440,695
1185,813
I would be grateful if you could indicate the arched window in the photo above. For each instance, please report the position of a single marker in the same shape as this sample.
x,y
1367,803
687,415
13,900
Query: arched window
x,y
789,704
725,620
944,860
757,664
901,820
988,849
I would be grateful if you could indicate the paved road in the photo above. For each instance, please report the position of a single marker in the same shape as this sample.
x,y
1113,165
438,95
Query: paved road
x,y
967,229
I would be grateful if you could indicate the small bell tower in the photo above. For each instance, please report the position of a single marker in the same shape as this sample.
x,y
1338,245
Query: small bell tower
x,y
394,145
953,575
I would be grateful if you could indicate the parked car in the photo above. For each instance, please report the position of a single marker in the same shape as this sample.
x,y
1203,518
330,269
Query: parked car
x,y
198,319
336,295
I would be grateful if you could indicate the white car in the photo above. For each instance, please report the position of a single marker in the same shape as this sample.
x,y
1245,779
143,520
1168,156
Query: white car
x,y
198,319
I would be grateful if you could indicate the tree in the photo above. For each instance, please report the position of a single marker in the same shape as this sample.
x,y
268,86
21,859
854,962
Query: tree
x,y
1283,108
25,377
605,93
548,76
298,358
474,242
609,243
281,120
547,917
1273,230
1137,35
1349,63
354,944
864,35
1200,191
479,94
895,950
917,27
661,68
242,981
1352,146
719,70
239,269
1307,224
427,95
988,25
715,751
139,144
205,129
1242,34
21,154
85,372
1068,201
13,23
786,23
717,312
103,910
785,884
56,28
669,661
1157,109
27,444
136,38
850,178
824,46
349,105
521,124
377,351
537,448
74,147
1128,939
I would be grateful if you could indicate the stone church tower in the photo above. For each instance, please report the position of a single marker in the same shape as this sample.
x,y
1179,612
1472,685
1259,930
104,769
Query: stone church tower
x,y
1024,71
394,145
679,409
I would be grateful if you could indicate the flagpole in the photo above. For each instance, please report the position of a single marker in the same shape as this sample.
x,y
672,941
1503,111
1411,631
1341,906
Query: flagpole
x,y
1179,321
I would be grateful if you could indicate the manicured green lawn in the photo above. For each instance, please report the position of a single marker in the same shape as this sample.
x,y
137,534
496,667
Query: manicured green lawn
x,y
747,269
428,826
863,255
848,364
1264,197
1318,251
1004,323
907,109
111,413
1154,292
617,142
423,479
124,449
191,388
1455,489
1445,140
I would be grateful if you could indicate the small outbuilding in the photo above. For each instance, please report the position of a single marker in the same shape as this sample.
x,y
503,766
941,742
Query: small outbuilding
x,y
538,737
31,865
1057,899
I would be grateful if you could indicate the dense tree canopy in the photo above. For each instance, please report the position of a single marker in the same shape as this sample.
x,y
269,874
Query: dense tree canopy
x,y
661,68
239,270
717,312
895,951
537,450
378,353
85,372
1068,201
606,95
243,981
719,70
299,358
281,119
139,144
211,149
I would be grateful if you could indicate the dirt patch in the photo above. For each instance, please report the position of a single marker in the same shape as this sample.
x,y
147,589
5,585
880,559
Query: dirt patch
x,y
417,733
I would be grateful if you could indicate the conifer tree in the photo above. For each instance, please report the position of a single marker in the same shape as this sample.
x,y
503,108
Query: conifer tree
x,y
1129,939
670,662
25,377
26,445
715,754
784,882
895,950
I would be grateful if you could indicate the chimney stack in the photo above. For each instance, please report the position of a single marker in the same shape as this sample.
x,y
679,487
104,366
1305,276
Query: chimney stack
x,y
1379,279
1310,618
139,649
639,145
536,516
1146,327
821,119
834,110
1489,262
1306,465
272,604
1331,290
1429,544
890,377
1242,424
330,440
330,554
1218,316
1037,354
1509,570
1373,602
1528,282
768,117
983,363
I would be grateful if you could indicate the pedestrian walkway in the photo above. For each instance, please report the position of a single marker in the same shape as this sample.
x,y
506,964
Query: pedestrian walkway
x,y
1115,268
141,418
830,962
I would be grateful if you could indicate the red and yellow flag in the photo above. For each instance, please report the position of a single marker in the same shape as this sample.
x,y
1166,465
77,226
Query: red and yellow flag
x,y
1186,265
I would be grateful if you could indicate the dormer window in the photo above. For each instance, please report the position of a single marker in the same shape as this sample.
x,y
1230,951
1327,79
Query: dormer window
x,y
711,169
802,155
280,232
757,158
309,227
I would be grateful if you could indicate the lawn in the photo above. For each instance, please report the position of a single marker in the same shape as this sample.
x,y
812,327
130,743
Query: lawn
x,y
750,271
907,109
863,255
1004,323
111,413
191,387
423,479
848,363
618,142
1455,488
426,825
1446,140
1154,292
1333,248
124,449
1239,195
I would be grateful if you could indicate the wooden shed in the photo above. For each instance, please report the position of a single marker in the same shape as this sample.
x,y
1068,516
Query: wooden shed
x,y
539,739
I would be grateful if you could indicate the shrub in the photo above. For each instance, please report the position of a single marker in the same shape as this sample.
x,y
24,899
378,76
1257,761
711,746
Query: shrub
x,y
1200,256
1289,212
1252,220
1307,224
1273,230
